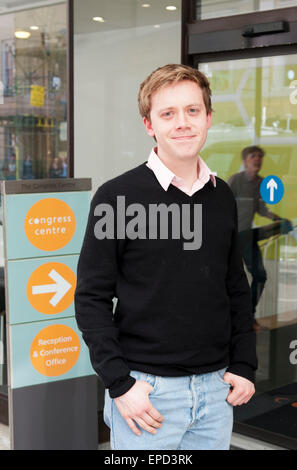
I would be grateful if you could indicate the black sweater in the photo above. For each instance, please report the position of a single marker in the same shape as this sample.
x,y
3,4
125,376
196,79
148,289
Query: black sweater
x,y
179,311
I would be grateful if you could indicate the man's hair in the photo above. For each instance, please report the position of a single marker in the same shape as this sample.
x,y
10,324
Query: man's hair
x,y
167,75
253,148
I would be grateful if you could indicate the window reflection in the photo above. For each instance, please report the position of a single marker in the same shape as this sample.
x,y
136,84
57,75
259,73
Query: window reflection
x,y
245,186
255,113
33,115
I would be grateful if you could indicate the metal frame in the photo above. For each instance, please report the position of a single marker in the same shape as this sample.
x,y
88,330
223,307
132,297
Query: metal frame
x,y
222,39
248,54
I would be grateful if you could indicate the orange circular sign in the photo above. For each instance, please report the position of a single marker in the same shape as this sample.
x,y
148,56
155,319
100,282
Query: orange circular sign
x,y
50,224
55,350
50,288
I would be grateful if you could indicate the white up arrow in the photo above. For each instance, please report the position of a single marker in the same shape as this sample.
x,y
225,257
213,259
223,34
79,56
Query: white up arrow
x,y
61,287
272,185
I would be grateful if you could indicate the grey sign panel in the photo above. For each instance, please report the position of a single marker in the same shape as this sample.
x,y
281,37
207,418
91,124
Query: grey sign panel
x,y
58,408
56,416
46,186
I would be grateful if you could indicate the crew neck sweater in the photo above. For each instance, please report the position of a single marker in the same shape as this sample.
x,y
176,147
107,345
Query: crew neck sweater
x,y
179,311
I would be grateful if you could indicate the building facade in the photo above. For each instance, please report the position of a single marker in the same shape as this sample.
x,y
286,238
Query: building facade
x,y
70,73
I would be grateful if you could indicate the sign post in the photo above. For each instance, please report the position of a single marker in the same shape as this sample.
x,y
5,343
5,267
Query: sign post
x,y
52,385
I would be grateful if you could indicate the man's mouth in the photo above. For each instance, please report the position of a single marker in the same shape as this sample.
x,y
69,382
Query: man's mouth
x,y
184,137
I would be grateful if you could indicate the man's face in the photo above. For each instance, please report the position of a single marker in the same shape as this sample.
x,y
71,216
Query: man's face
x,y
253,162
178,120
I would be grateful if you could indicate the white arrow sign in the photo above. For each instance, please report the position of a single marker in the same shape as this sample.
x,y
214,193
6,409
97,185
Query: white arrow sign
x,y
61,287
272,185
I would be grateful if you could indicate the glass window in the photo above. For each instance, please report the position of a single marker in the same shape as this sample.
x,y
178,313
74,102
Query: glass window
x,y
255,107
33,117
33,109
206,9
111,59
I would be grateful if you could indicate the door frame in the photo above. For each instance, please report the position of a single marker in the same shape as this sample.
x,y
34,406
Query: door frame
x,y
221,38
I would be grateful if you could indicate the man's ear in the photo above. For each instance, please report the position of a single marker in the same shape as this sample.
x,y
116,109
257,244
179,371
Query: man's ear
x,y
209,119
148,127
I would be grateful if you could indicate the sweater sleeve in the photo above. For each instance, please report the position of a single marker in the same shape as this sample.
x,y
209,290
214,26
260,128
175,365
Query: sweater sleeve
x,y
243,358
95,290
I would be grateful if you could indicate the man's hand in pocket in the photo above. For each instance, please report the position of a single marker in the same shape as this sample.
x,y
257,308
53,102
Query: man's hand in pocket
x,y
135,405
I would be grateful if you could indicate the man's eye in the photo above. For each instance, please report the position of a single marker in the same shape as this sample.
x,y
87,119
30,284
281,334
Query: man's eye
x,y
193,110
167,114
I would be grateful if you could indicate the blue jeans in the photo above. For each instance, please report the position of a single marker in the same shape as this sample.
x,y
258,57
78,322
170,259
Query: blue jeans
x,y
197,414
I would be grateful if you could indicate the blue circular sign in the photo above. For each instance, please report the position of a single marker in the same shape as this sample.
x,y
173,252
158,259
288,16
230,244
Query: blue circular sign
x,y
272,189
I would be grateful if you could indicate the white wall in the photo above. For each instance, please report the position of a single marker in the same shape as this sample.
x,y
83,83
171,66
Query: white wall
x,y
108,68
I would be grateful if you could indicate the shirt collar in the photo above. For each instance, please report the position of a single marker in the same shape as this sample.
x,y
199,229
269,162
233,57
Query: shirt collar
x,y
165,176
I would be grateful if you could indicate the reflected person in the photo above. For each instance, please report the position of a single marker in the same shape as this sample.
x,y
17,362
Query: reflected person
x,y
28,168
56,168
246,189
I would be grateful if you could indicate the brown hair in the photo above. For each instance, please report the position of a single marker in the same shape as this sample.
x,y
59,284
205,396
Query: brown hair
x,y
171,74
253,148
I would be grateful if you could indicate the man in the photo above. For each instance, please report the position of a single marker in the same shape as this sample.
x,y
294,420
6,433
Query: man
x,y
179,351
246,189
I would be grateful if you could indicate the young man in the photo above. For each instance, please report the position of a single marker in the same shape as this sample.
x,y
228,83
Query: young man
x,y
245,186
179,351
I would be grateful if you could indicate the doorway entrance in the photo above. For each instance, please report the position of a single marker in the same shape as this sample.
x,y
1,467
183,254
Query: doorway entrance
x,y
249,54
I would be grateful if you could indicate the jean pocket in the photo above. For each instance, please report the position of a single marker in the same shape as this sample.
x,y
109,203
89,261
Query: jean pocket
x,y
220,374
149,378
153,381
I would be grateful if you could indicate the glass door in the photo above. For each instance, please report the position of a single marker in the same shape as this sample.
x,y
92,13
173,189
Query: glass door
x,y
255,114
252,146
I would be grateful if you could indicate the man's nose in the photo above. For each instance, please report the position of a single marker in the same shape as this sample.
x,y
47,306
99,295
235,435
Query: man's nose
x,y
182,119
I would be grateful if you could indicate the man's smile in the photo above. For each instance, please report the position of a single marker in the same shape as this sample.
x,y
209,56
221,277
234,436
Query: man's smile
x,y
184,137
